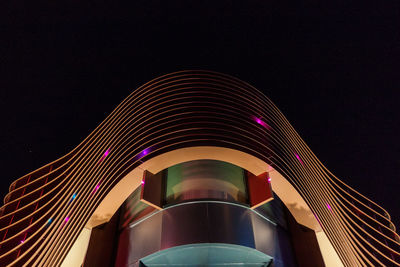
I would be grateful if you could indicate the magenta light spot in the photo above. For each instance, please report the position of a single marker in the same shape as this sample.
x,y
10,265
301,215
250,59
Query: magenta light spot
x,y
142,181
96,188
269,179
65,221
22,241
261,122
105,155
329,207
297,156
144,153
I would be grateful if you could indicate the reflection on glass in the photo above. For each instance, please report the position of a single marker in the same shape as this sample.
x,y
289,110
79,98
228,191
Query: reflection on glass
x,y
205,179
133,209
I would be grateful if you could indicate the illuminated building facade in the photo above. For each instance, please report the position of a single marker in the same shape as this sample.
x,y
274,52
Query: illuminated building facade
x,y
194,168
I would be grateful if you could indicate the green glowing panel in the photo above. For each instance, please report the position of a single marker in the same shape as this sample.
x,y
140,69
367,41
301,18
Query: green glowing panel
x,y
205,179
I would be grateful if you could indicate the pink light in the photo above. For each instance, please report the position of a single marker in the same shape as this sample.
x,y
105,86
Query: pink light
x,y
105,155
329,207
269,179
22,241
143,153
96,187
142,182
65,221
261,122
297,156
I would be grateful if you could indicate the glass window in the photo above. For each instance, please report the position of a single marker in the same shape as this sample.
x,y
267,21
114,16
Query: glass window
x,y
133,209
205,179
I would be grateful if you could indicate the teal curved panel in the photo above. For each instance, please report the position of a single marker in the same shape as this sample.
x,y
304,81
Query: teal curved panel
x,y
207,254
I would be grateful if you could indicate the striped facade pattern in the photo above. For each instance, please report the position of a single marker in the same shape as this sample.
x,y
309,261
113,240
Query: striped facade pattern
x,y
45,210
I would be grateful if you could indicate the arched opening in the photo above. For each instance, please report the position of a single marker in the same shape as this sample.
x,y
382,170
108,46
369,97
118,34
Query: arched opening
x,y
282,188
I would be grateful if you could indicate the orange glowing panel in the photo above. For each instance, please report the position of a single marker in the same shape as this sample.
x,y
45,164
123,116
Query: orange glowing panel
x,y
260,190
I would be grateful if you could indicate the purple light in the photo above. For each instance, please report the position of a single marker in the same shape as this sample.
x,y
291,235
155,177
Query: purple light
x,y
144,153
22,241
65,221
142,182
297,156
269,179
329,207
105,155
96,187
261,122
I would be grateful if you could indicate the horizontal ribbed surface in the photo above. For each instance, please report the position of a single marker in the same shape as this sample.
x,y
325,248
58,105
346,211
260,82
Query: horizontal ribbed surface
x,y
46,210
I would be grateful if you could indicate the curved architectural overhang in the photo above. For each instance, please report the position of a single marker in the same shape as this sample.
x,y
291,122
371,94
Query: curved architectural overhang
x,y
187,112
287,193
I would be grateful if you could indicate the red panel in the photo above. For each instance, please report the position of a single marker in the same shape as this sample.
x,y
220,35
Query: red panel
x,y
152,189
260,190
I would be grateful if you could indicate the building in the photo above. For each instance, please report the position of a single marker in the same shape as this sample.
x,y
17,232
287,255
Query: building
x,y
193,168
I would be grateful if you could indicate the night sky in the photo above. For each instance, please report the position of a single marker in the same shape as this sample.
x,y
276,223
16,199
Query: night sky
x,y
332,69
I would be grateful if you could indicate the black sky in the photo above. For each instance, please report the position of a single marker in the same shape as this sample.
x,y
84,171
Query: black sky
x,y
332,68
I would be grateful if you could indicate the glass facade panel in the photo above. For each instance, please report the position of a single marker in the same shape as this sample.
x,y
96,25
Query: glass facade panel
x,y
275,211
133,209
205,179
